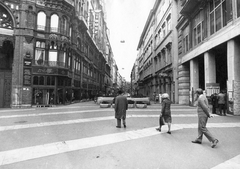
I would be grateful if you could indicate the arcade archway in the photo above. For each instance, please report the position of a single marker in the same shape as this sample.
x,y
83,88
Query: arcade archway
x,y
6,56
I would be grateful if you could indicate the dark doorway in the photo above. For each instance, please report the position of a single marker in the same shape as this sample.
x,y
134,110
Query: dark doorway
x,y
201,72
221,65
6,61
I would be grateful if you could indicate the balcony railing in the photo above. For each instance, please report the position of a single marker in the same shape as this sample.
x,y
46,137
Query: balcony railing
x,y
46,63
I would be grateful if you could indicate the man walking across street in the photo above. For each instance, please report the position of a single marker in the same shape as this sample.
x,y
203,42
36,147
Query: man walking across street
x,y
203,115
121,106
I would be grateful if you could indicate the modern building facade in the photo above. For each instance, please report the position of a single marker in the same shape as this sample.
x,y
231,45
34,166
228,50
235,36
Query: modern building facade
x,y
201,50
208,36
53,52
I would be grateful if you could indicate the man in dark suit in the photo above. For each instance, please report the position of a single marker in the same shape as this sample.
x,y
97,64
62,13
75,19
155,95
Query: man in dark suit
x,y
121,106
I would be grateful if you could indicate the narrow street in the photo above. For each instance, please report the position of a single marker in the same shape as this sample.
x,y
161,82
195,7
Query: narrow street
x,y
84,136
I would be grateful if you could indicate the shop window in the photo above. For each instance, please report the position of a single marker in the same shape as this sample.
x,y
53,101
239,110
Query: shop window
x,y
41,21
60,82
54,23
51,80
41,80
69,82
40,53
38,80
35,80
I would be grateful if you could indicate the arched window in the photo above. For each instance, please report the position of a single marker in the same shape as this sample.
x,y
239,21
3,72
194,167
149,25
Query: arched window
x,y
54,23
70,32
5,19
41,21
64,25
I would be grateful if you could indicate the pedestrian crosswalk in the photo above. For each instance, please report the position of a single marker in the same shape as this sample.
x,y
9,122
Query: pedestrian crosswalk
x,y
48,149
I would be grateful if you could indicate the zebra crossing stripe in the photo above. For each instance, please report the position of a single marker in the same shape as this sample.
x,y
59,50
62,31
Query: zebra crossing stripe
x,y
233,163
76,121
28,153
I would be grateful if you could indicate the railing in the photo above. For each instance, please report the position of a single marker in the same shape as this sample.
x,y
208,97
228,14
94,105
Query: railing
x,y
46,63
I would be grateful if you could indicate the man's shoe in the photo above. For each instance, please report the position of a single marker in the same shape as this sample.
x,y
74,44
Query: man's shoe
x,y
197,142
214,143
169,132
118,126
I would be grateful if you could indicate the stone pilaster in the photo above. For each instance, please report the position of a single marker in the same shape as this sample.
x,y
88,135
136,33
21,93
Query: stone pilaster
x,y
183,84
236,106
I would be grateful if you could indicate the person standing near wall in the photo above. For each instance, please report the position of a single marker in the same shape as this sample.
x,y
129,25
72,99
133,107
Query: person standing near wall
x,y
154,97
222,103
121,106
203,115
214,99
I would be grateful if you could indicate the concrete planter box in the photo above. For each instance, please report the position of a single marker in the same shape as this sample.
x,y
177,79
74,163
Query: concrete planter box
x,y
105,105
141,105
131,105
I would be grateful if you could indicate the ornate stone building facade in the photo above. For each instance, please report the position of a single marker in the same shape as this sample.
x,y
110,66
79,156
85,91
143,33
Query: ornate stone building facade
x,y
52,51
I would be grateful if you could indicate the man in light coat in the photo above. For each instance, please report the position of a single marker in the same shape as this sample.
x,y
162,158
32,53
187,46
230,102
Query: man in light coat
x,y
121,106
203,115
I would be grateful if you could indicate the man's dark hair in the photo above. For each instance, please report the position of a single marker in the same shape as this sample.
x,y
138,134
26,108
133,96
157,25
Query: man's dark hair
x,y
120,92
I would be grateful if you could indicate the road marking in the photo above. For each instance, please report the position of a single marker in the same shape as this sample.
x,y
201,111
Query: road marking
x,y
15,110
82,111
28,153
76,121
48,114
39,151
233,163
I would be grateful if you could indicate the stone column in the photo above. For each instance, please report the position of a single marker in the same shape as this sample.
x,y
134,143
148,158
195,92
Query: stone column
x,y
183,84
194,74
210,68
233,85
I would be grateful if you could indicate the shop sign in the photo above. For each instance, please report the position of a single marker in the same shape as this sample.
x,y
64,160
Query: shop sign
x,y
27,76
27,62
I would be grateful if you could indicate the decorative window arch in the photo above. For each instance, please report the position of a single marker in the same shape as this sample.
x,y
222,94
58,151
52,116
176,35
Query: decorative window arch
x,y
6,20
54,23
64,25
41,21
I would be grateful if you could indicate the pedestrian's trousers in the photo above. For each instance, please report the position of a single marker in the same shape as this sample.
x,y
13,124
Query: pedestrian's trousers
x,y
119,122
202,129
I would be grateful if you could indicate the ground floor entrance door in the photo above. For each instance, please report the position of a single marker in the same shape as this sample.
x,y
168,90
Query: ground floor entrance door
x,y
5,88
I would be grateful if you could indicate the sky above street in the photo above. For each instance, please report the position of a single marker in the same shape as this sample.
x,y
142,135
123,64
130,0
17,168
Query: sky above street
x,y
125,21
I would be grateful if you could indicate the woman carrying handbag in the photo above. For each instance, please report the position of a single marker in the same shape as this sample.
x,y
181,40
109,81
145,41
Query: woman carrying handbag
x,y
165,115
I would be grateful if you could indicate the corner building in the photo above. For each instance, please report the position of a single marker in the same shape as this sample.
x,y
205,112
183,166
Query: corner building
x,y
48,53
209,49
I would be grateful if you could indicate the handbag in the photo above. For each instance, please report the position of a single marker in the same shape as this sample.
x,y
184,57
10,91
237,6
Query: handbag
x,y
162,121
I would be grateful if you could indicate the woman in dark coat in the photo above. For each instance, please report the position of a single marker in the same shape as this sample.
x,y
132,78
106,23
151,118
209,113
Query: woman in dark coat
x,y
165,115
